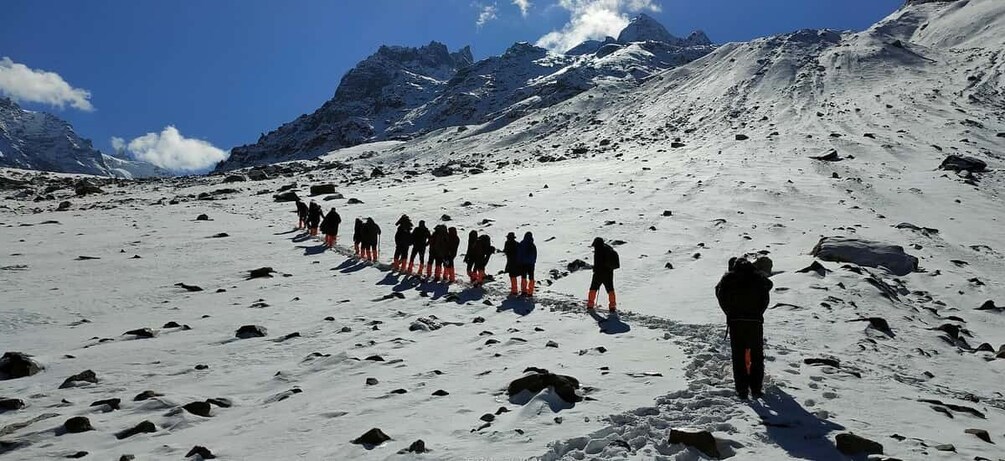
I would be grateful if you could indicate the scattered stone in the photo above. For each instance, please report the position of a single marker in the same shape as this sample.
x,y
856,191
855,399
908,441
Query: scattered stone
x,y
85,187
321,189
354,201
86,376
488,417
251,331
11,404
945,447
989,305
865,253
417,446
113,404
261,272
220,402
963,163
441,393
371,381
15,365
831,156
64,205
142,428
372,438
141,333
79,454
538,379
198,408
375,358
171,324
852,445
235,178
703,441
551,344
77,424
742,137
578,265
202,217
288,196
425,324
146,395
187,287
202,451
823,361
980,434
816,267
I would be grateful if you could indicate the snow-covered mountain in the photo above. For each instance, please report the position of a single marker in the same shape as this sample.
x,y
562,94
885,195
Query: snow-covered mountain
x,y
41,141
399,93
130,299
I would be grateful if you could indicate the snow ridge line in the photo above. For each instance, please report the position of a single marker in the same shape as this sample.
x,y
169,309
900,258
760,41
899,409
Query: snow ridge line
x,y
708,402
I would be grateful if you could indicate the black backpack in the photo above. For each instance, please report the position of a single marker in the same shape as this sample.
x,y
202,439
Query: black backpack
x,y
613,260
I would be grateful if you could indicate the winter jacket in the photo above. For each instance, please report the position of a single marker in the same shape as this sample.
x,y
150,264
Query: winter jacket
x,y
438,242
404,220
357,231
526,251
420,236
403,237
744,293
509,249
605,258
471,256
453,244
485,250
302,210
371,232
314,215
329,225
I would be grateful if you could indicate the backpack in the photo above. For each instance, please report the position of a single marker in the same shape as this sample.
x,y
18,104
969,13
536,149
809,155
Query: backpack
x,y
613,259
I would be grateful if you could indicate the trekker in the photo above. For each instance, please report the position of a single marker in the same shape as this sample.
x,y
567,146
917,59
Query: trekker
x,y
453,244
357,236
329,227
483,251
471,256
526,257
314,217
371,239
743,294
420,239
301,214
437,252
512,266
605,262
402,240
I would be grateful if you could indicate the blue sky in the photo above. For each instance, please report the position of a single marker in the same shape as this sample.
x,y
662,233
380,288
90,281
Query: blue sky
x,y
224,71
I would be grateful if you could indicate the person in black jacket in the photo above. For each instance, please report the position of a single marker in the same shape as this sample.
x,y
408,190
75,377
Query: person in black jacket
x,y
484,251
744,293
301,214
314,217
512,266
471,256
357,237
605,262
526,258
437,252
420,239
402,241
453,244
329,227
371,240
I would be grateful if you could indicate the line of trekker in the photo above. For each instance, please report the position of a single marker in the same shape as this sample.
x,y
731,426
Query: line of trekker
x,y
743,292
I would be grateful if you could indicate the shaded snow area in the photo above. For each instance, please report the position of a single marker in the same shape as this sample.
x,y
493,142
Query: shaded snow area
x,y
819,149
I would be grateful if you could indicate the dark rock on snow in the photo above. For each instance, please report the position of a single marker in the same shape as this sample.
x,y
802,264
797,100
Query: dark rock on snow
x,y
851,445
86,376
15,365
141,428
198,408
202,217
538,379
865,253
372,438
963,163
77,424
11,404
321,189
202,451
261,272
703,441
141,333
251,331
146,395
288,196
112,403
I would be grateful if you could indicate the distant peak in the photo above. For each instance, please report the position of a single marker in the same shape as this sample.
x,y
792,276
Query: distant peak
x,y
644,28
520,48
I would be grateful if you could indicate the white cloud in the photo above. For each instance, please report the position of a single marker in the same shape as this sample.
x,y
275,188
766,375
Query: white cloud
x,y
172,151
118,144
23,83
593,19
524,6
487,13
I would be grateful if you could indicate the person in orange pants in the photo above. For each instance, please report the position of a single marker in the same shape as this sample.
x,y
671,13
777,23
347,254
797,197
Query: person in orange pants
x,y
437,252
744,293
471,257
484,254
329,227
357,236
371,240
453,244
605,262
512,265
301,214
420,240
402,241
526,256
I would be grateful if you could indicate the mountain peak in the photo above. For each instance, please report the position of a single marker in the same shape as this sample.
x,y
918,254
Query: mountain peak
x,y
644,28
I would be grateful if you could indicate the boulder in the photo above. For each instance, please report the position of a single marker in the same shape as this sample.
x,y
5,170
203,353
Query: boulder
x,y
425,324
202,217
372,438
146,395
77,424
202,451
322,189
198,408
261,272
86,376
417,446
852,445
703,441
15,365
251,331
141,333
742,137
64,205
85,187
288,196
538,379
963,163
11,404
441,171
235,178
865,253
258,175
980,434
141,428
113,404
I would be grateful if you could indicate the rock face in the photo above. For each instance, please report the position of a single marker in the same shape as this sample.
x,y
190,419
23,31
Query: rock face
x,y
538,379
41,141
645,28
703,441
963,163
851,445
866,253
15,365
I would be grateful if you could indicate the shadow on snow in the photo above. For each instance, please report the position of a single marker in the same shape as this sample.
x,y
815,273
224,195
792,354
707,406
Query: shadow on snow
x,y
797,431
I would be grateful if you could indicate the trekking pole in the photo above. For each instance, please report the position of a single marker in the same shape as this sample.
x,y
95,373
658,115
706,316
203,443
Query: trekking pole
x,y
726,336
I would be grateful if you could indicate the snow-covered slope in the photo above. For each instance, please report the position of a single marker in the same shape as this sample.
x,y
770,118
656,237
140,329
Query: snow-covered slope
x,y
686,169
41,141
393,94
